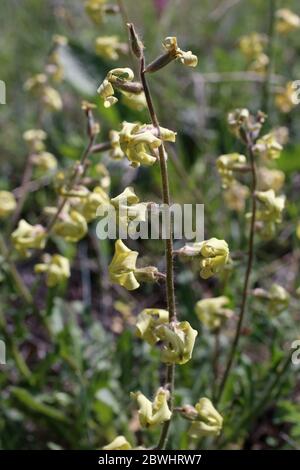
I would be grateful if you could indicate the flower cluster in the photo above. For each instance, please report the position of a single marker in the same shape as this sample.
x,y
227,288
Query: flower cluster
x,y
252,47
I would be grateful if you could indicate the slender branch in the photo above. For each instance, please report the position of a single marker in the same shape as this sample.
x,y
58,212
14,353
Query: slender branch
x,y
235,343
78,171
170,369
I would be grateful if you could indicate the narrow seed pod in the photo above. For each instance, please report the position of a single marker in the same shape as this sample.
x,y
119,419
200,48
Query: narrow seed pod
x,y
131,87
160,62
135,42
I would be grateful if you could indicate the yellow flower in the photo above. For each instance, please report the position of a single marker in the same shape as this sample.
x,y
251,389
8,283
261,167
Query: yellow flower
x,y
116,152
212,312
270,179
156,412
268,147
128,207
178,342
285,98
260,64
51,98
27,237
139,145
72,227
147,322
109,47
286,21
252,45
35,139
56,267
227,164
185,57
102,174
122,267
235,196
48,95
279,299
209,421
119,443
7,204
270,213
215,255
116,77
89,204
237,119
44,162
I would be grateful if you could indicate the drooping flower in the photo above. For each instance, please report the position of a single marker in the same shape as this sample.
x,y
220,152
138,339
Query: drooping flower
x,y
156,412
89,204
135,101
269,213
227,164
148,321
128,207
209,421
138,145
44,162
252,45
119,443
7,204
212,312
277,298
72,226
123,265
27,237
178,340
35,139
46,93
96,10
121,78
140,142
115,152
56,267
286,98
215,255
286,21
109,47
185,57
268,147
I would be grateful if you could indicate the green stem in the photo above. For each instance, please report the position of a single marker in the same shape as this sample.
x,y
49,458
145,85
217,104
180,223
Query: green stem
x,y
237,336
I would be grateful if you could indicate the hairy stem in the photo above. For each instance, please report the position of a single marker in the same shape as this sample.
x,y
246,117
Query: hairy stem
x,y
235,343
170,370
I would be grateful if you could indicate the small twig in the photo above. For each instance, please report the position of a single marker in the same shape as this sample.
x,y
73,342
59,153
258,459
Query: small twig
x,y
235,343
